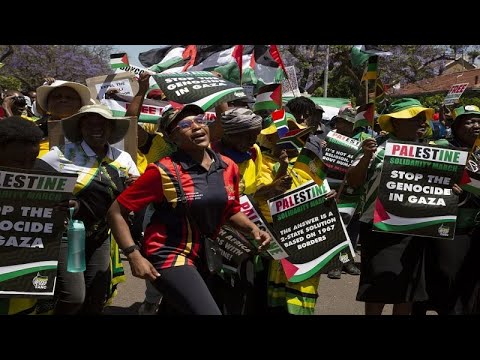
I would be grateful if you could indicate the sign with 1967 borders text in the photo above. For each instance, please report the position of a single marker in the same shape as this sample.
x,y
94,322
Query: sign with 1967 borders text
x,y
311,231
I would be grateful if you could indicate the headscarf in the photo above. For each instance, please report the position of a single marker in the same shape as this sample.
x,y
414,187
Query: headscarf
x,y
239,120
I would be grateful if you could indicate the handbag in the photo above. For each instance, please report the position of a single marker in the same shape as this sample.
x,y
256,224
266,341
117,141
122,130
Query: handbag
x,y
213,256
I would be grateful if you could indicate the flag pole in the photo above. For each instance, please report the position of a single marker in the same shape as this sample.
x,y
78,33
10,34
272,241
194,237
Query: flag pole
x,y
325,80
366,97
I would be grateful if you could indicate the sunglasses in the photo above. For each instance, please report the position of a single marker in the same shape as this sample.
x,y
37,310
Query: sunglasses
x,y
187,123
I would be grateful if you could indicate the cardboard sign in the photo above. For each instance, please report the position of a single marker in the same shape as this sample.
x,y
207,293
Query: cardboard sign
x,y
128,86
124,81
454,94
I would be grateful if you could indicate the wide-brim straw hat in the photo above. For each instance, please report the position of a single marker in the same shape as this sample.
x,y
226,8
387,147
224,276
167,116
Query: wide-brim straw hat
x,y
71,128
44,90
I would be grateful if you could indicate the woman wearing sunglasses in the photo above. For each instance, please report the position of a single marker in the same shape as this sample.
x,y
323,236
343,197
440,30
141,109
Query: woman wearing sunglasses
x,y
172,256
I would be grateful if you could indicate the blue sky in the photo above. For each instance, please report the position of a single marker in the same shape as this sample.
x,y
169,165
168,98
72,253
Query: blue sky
x,y
133,51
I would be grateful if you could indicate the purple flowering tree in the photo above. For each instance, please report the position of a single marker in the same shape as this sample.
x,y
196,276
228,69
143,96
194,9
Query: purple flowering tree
x,y
32,63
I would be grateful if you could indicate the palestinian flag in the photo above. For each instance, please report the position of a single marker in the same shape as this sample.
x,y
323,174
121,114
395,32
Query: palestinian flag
x,y
267,64
364,116
155,56
300,272
295,139
118,60
371,69
361,53
269,97
386,221
175,58
228,60
310,163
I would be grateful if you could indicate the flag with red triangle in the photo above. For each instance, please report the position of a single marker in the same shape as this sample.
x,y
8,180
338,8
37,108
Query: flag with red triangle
x,y
269,97
365,116
118,60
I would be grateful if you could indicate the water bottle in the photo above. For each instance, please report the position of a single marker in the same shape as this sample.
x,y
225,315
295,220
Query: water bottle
x,y
76,245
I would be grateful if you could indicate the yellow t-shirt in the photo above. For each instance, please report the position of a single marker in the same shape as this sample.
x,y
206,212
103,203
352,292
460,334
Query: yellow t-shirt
x,y
158,149
44,148
250,172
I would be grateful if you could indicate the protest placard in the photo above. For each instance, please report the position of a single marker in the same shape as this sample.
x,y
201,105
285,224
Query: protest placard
x,y
31,230
275,250
198,87
338,154
126,84
415,194
311,231
233,246
290,84
455,93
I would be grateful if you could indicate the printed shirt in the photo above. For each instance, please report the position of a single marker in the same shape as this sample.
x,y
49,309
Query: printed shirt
x,y
249,166
212,198
99,181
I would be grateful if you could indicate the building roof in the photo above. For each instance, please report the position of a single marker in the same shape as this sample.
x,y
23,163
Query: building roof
x,y
441,83
457,66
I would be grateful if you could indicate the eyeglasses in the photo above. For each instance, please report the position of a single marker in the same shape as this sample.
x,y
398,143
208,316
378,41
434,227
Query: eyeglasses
x,y
187,123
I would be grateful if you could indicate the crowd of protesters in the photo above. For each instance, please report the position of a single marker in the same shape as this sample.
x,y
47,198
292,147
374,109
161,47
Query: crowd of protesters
x,y
185,183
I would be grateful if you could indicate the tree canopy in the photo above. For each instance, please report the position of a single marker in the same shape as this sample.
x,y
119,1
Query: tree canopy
x,y
30,64
408,63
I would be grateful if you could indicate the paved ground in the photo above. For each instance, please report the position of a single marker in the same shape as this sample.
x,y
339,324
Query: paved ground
x,y
336,297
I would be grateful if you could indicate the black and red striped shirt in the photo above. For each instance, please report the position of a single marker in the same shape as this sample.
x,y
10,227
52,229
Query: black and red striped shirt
x,y
212,197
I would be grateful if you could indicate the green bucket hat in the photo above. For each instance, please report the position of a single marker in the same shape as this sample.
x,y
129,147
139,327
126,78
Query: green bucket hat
x,y
347,113
405,108
465,110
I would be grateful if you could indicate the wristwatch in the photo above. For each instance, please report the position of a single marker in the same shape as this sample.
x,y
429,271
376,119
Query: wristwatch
x,y
130,249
